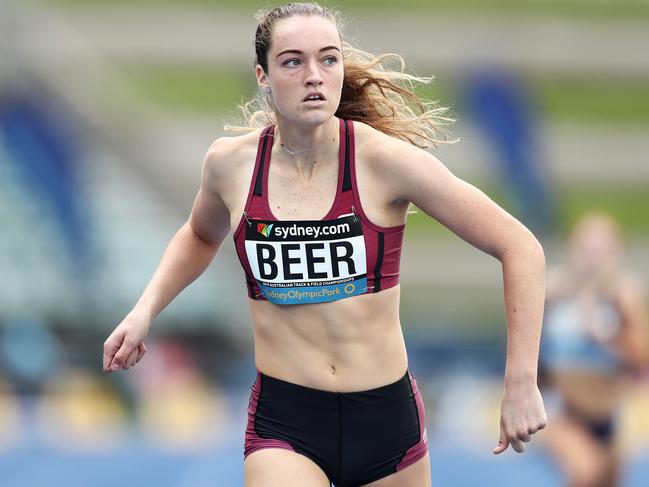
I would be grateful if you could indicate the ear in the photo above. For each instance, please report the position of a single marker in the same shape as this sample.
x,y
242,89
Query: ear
x,y
262,78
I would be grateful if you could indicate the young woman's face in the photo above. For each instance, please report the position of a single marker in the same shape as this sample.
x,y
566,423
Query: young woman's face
x,y
304,58
595,246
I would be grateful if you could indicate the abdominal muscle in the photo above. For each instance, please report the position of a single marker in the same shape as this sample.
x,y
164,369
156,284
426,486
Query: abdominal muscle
x,y
352,344
594,395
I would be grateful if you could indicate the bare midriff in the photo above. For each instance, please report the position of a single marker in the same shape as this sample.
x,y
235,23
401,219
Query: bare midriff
x,y
352,344
595,395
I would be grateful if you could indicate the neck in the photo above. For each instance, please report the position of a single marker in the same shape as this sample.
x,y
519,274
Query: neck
x,y
306,143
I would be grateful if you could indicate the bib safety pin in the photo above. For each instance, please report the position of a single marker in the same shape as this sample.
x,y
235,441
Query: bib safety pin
x,y
354,213
245,215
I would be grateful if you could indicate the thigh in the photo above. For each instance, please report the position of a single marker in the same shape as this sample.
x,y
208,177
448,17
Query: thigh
x,y
415,475
613,477
582,458
275,467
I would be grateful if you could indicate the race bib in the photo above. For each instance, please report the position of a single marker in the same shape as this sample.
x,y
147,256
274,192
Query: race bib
x,y
309,261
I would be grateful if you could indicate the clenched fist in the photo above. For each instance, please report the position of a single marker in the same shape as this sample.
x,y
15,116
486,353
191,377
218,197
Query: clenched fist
x,y
125,345
521,415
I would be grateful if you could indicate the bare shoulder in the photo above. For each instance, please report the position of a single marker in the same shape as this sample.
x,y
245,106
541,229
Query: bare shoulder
x,y
631,286
407,173
383,149
226,165
397,164
227,158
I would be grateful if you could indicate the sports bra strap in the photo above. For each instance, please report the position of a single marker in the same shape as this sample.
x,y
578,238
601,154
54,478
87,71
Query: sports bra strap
x,y
347,176
265,134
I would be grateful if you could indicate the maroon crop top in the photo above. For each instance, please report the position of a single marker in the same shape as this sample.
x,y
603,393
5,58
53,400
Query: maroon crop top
x,y
313,261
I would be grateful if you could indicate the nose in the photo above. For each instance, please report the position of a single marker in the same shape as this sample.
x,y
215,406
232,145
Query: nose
x,y
313,76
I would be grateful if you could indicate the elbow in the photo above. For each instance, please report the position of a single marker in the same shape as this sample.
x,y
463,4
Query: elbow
x,y
526,247
533,248
536,249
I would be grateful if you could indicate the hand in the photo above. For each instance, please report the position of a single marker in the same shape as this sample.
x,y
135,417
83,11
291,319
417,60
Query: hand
x,y
521,415
125,347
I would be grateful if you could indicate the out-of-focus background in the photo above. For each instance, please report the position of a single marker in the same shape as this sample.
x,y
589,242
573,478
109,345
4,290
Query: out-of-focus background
x,y
106,110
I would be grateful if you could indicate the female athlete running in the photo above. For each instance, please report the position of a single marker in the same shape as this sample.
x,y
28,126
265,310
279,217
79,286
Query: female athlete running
x,y
316,194
594,340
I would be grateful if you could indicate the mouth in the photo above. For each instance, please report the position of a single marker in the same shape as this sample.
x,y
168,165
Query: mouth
x,y
314,98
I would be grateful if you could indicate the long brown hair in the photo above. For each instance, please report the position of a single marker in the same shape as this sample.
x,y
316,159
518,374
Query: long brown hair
x,y
372,92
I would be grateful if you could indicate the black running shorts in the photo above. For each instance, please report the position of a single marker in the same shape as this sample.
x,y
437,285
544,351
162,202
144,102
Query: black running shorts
x,y
354,437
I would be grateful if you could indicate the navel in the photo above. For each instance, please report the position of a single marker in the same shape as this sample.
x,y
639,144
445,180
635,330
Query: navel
x,y
333,370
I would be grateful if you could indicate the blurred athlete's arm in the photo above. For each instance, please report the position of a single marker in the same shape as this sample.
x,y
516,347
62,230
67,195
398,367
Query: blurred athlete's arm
x,y
414,175
633,341
188,254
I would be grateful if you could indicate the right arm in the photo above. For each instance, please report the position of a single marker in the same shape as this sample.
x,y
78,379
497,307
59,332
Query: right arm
x,y
633,340
188,254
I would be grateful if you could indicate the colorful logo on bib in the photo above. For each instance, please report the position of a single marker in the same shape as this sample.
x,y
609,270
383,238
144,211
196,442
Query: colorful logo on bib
x,y
264,228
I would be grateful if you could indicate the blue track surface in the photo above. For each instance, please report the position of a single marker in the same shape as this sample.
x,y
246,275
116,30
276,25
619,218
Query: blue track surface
x,y
142,464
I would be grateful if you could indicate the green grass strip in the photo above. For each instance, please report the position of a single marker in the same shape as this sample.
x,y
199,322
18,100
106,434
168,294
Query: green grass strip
x,y
620,101
192,89
603,9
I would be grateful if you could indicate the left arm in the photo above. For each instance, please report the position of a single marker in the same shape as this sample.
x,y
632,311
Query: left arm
x,y
417,176
633,341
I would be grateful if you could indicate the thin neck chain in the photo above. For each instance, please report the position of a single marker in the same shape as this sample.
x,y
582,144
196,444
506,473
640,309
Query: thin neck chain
x,y
293,153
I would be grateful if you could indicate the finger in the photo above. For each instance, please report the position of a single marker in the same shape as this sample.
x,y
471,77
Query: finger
x,y
517,445
535,429
141,350
502,445
111,346
122,355
132,358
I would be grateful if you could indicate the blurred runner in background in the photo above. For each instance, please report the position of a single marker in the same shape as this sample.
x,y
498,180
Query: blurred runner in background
x,y
594,339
